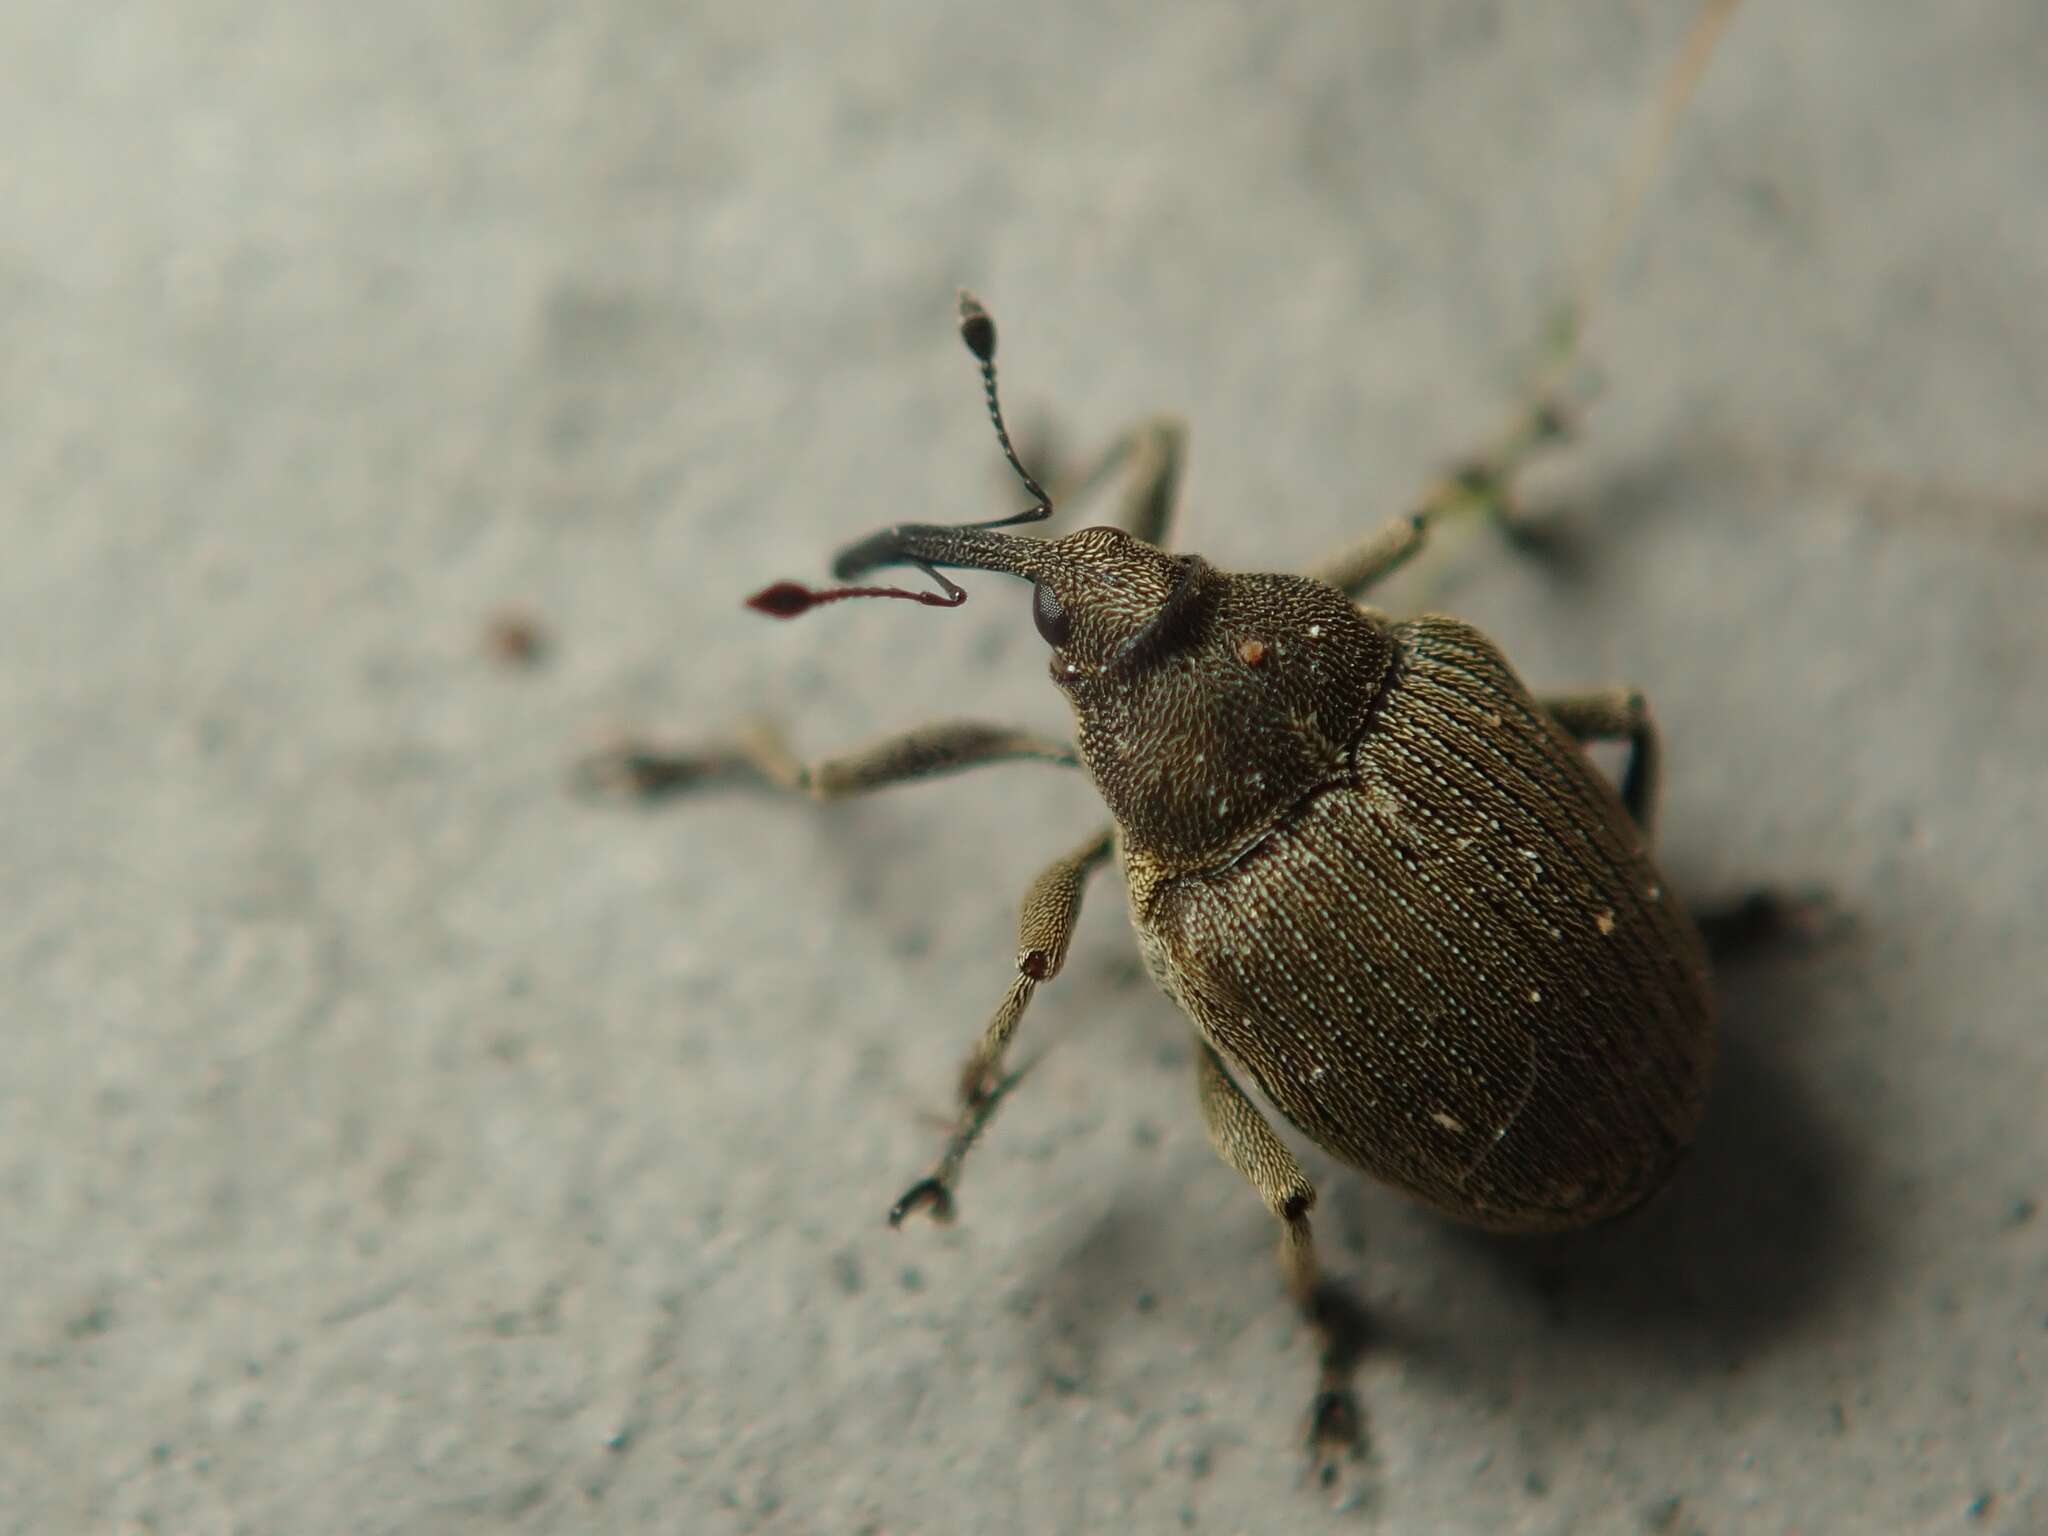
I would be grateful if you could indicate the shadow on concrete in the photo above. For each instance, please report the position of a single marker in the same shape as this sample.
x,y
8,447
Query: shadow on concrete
x,y
1758,1233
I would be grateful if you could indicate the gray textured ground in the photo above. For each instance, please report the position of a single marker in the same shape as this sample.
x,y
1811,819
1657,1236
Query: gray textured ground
x,y
390,1142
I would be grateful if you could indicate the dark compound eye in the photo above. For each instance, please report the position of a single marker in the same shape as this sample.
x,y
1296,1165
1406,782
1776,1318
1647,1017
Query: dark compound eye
x,y
1050,615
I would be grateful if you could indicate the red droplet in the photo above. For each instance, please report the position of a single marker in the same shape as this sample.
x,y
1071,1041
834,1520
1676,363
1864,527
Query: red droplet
x,y
783,600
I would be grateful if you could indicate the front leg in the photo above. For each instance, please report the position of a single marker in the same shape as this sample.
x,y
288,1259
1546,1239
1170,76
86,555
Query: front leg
x,y
1151,454
758,754
1045,926
1484,485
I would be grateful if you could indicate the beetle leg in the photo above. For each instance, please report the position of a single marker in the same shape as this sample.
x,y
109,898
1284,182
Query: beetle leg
x,y
1045,926
1612,714
1485,483
1153,451
758,753
1244,1140
1762,919
1356,567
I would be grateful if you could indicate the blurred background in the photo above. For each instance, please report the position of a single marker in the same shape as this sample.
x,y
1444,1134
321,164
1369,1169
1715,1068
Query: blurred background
x,y
397,400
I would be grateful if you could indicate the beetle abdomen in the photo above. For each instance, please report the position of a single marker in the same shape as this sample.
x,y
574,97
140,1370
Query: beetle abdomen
x,y
1459,970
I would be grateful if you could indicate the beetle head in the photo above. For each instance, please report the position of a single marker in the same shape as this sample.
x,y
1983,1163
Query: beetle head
x,y
1206,703
1104,600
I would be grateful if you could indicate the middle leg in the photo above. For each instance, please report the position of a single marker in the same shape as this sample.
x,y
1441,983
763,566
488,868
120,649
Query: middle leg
x,y
1616,714
1755,921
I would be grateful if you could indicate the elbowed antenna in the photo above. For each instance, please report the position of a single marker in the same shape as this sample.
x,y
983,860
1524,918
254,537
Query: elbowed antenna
x,y
978,330
971,546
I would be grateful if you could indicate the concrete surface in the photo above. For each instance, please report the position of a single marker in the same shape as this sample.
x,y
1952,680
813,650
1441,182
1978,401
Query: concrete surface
x,y
391,1142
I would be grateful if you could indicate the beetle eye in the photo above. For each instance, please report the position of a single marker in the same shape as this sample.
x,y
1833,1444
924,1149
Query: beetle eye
x,y
1050,615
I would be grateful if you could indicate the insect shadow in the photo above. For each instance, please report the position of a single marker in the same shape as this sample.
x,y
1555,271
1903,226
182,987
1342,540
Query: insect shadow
x,y
1761,1230
1749,1245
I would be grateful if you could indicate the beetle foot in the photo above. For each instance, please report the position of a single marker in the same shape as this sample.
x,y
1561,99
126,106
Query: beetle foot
x,y
1336,1433
636,770
926,1194
1767,918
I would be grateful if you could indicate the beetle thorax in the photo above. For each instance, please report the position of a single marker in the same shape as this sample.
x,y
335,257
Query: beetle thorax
x,y
1247,703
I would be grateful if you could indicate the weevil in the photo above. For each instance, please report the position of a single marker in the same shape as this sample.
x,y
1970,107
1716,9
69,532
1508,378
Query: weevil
x,y
1383,880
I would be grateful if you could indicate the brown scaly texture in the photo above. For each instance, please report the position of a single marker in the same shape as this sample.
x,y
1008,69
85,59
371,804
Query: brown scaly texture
x,y
1451,963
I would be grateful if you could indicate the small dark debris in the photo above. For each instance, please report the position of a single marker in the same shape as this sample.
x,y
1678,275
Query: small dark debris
x,y
2023,1210
515,639
1980,1507
912,1278
1146,1301
1535,1484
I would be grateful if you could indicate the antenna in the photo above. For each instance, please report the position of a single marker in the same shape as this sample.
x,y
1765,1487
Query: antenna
x,y
978,330
787,599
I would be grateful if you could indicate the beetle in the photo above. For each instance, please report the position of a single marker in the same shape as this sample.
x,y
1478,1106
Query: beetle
x,y
1383,880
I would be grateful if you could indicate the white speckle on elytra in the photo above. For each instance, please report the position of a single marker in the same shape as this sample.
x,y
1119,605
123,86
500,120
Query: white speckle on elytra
x,y
1315,631
1449,1122
1535,996
1317,1075
1604,922
1655,893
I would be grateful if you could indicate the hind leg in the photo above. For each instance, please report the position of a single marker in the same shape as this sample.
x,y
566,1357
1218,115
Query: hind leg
x,y
1244,1140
